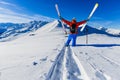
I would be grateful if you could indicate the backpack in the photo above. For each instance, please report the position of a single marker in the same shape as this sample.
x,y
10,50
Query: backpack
x,y
73,28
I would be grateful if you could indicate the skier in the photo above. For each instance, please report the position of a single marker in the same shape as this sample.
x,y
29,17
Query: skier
x,y
73,29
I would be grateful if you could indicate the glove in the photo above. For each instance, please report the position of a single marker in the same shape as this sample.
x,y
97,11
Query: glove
x,y
60,17
87,19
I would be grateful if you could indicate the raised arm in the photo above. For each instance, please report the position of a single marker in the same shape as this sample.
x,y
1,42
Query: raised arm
x,y
81,22
65,21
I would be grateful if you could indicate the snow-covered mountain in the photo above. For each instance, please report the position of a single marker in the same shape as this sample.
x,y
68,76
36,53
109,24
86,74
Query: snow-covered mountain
x,y
43,55
9,31
12,30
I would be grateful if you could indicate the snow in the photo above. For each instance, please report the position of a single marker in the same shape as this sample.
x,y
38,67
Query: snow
x,y
102,55
110,31
42,56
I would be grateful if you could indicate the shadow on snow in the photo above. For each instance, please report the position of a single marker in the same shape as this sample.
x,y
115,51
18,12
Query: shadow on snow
x,y
99,45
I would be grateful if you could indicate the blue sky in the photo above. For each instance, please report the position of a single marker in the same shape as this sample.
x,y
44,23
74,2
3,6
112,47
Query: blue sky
x,y
107,14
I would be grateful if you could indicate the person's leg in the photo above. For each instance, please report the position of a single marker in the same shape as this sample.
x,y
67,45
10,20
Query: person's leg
x,y
68,40
74,37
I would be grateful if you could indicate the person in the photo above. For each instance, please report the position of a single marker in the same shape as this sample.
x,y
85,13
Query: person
x,y
73,25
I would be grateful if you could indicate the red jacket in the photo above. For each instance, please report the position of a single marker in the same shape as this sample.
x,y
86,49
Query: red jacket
x,y
74,22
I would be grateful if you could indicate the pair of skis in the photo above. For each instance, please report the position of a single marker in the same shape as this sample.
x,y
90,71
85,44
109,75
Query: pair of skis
x,y
90,15
93,10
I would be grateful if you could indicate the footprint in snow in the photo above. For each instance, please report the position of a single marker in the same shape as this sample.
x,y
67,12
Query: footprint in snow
x,y
81,52
86,53
44,59
55,49
35,63
52,61
31,34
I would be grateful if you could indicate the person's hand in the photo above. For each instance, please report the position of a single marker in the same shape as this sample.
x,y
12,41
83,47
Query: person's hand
x,y
87,19
60,17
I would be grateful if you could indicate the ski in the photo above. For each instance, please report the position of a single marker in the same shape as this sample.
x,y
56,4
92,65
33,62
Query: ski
x,y
58,12
93,10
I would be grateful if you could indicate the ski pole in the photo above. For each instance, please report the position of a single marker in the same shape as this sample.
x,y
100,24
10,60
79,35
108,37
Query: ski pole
x,y
86,36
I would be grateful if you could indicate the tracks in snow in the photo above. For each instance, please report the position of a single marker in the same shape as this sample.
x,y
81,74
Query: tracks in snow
x,y
99,73
67,67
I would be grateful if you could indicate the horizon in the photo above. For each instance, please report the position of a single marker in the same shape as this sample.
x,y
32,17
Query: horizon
x,y
107,14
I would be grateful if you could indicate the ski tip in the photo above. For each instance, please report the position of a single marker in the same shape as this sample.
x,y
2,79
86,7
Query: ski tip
x,y
96,4
56,4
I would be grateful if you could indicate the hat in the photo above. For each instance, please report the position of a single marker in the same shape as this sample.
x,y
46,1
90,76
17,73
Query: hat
x,y
73,18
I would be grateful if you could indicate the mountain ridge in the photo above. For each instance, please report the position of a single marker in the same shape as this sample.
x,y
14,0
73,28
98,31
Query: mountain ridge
x,y
14,29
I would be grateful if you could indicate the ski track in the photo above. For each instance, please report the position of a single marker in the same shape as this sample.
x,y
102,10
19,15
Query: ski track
x,y
67,67
64,65
98,72
55,72
109,60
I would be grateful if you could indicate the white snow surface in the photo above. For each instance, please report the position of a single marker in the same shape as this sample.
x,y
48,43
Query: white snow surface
x,y
43,56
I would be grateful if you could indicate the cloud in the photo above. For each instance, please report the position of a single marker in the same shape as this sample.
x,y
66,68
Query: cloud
x,y
40,17
7,15
6,3
13,19
10,5
10,15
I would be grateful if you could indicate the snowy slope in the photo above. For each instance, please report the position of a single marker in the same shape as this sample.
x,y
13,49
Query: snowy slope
x,y
42,56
